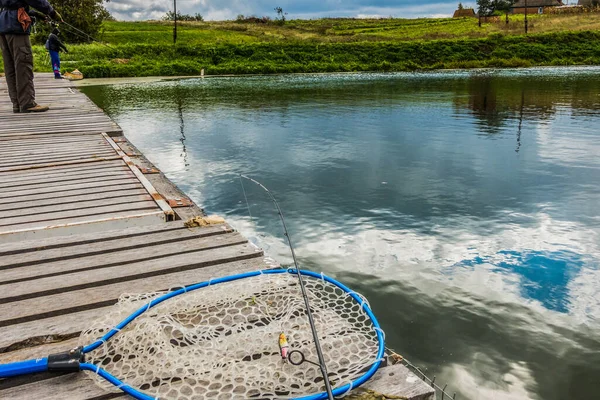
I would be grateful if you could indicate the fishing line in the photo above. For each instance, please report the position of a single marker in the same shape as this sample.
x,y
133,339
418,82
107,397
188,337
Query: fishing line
x,y
83,34
322,365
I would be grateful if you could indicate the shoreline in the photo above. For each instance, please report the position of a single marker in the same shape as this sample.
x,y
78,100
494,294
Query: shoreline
x,y
87,82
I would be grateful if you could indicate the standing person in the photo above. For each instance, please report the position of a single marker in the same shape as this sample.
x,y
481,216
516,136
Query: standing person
x,y
54,45
15,27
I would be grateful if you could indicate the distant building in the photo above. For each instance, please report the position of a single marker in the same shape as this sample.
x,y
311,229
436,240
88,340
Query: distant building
x,y
534,6
465,12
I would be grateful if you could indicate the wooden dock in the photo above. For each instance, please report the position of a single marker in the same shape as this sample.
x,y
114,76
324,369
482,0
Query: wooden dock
x,y
85,218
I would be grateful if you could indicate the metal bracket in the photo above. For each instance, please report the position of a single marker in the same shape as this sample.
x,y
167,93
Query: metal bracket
x,y
66,362
180,202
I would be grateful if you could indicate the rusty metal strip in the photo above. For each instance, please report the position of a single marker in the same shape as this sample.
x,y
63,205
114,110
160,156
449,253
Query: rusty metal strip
x,y
180,202
149,171
158,198
58,164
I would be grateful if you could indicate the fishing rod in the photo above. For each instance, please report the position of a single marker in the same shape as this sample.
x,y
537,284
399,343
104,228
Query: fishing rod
x,y
83,34
311,320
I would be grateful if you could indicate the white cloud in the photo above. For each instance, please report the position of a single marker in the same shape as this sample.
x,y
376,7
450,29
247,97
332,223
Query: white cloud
x,y
229,9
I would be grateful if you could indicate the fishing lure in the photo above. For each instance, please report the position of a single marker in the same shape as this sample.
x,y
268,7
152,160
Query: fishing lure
x,y
284,347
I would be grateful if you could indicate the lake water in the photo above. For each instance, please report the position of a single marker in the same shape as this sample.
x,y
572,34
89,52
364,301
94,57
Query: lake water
x,y
464,205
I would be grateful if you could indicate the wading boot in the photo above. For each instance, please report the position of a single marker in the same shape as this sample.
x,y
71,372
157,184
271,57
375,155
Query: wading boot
x,y
16,110
34,108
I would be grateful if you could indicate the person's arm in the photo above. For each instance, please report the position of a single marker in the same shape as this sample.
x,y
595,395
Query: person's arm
x,y
62,46
37,15
44,7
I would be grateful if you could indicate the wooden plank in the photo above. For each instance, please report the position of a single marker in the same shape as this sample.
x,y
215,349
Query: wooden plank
x,y
37,145
73,119
100,127
7,249
50,138
74,192
83,226
99,258
80,205
44,252
72,201
65,176
94,154
71,386
205,250
56,147
52,181
54,191
14,336
58,183
187,269
67,222
63,171
48,219
55,164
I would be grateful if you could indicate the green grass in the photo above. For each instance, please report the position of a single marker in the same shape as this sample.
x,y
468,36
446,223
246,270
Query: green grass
x,y
332,45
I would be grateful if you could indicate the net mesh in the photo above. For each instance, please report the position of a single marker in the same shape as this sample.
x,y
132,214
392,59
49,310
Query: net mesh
x,y
222,341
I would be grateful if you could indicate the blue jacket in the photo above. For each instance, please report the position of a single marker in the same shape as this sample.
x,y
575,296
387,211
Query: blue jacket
x,y
9,22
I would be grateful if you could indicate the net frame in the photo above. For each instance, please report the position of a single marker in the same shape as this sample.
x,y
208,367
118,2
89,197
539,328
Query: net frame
x,y
339,391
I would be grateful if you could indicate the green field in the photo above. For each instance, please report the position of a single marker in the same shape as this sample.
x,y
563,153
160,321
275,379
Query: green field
x,y
331,45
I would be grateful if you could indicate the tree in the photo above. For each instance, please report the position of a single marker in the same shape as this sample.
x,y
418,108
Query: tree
x,y
460,6
170,16
84,16
485,8
280,15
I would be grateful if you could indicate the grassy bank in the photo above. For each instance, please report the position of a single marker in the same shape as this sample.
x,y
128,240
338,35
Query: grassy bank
x,y
330,45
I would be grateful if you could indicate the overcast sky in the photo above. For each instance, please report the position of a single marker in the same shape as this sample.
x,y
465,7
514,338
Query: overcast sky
x,y
229,9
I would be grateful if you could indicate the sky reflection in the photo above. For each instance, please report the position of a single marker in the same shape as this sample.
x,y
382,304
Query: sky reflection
x,y
463,204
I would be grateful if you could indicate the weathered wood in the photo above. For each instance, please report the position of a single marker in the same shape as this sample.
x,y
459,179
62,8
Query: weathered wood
x,y
42,151
72,206
65,304
50,159
58,183
67,222
68,240
66,194
84,226
203,250
56,164
62,168
66,177
48,217
92,297
165,254
48,251
72,201
54,190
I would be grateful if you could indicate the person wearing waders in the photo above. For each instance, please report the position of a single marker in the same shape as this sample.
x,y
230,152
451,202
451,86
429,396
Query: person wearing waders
x,y
54,46
15,27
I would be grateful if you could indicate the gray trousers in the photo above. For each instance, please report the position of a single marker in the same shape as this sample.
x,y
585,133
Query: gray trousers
x,y
18,69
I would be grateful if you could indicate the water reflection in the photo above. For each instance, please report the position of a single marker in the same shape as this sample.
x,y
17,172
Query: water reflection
x,y
463,204
179,100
